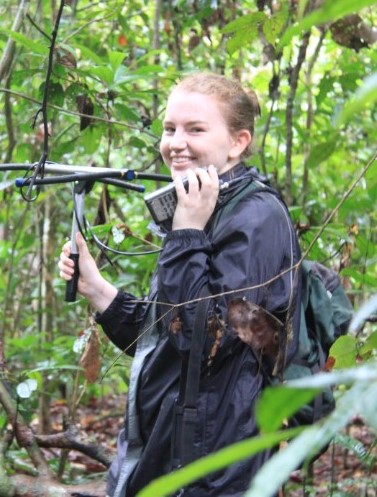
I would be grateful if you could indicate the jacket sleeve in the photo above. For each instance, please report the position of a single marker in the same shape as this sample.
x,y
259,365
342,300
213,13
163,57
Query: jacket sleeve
x,y
122,320
244,257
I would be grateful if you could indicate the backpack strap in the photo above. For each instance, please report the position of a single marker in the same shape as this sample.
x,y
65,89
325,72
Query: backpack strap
x,y
250,184
186,406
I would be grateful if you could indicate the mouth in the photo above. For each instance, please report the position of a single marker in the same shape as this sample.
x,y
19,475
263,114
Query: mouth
x,y
182,162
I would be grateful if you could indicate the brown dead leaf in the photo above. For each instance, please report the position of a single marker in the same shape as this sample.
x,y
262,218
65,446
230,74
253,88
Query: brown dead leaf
x,y
90,359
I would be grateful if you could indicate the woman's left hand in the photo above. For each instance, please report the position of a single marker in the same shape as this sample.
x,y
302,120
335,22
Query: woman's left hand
x,y
196,205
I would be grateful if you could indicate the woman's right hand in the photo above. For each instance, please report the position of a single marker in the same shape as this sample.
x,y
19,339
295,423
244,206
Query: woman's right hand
x,y
195,206
91,283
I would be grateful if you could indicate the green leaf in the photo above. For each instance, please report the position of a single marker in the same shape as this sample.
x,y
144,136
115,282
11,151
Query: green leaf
x,y
325,87
127,113
360,399
102,230
123,75
148,70
364,96
330,10
244,23
55,93
136,142
104,73
25,41
157,127
64,148
371,342
333,9
116,59
321,152
168,484
90,138
276,404
273,26
301,7
344,351
245,30
86,53
241,39
357,447
361,277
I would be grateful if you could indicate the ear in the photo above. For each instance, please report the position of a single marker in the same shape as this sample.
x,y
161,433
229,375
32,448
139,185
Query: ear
x,y
240,141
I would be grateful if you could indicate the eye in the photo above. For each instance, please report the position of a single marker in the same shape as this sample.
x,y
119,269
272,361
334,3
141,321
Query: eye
x,y
168,130
197,129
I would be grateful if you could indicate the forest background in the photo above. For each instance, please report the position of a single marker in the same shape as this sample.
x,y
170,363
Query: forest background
x,y
84,83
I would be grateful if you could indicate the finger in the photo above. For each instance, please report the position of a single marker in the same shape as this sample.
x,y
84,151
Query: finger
x,y
202,176
210,183
64,260
81,244
179,188
66,271
67,248
213,174
193,181
65,276
208,176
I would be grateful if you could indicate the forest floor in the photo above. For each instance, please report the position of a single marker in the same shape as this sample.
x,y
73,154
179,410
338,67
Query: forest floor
x,y
338,472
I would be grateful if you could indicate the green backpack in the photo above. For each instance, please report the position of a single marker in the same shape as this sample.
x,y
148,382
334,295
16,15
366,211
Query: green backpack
x,y
326,313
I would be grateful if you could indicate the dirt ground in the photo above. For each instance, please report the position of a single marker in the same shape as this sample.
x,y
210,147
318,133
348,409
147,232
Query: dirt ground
x,y
338,472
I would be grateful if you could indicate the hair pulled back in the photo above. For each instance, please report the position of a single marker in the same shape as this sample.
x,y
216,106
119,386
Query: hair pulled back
x,y
240,107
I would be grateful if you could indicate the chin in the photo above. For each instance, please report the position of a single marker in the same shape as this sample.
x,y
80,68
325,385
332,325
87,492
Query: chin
x,y
181,169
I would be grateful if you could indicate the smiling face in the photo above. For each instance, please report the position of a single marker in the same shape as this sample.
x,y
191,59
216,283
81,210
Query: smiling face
x,y
197,135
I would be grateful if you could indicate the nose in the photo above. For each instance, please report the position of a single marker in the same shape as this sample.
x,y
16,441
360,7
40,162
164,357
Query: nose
x,y
177,141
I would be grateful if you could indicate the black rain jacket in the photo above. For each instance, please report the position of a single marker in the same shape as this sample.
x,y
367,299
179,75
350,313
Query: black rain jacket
x,y
236,255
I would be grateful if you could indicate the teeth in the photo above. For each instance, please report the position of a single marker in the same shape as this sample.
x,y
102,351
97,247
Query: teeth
x,y
180,159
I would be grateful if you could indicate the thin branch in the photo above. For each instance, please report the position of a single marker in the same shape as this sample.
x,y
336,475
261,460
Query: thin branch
x,y
9,124
92,21
156,46
309,117
7,58
7,301
176,47
44,108
340,203
47,82
274,83
293,81
31,20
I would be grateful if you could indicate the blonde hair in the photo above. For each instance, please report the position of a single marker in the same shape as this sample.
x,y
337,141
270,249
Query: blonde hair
x,y
240,107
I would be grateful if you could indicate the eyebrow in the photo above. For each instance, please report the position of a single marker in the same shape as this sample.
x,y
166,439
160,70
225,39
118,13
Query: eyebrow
x,y
190,123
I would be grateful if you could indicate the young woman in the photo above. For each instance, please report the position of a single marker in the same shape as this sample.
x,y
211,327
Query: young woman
x,y
237,256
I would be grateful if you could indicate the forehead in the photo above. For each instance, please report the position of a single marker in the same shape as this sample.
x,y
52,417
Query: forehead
x,y
193,106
